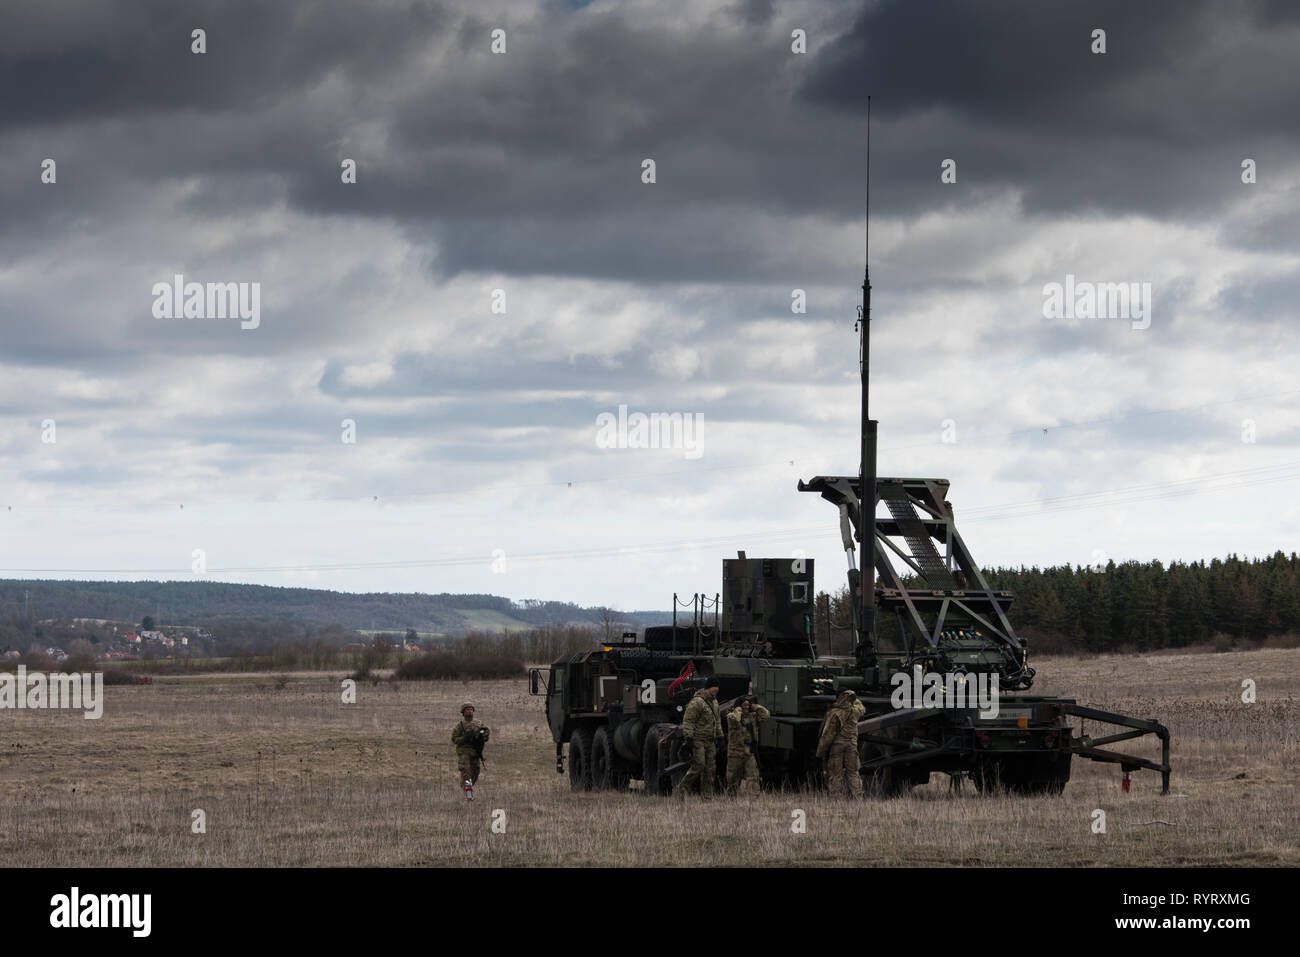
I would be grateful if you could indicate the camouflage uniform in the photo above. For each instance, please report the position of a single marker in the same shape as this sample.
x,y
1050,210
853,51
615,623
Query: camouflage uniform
x,y
742,732
702,726
839,744
466,757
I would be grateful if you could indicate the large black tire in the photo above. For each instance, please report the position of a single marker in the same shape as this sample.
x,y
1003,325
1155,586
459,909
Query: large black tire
x,y
679,756
1051,772
881,782
607,771
1060,775
655,782
580,760
1023,773
987,775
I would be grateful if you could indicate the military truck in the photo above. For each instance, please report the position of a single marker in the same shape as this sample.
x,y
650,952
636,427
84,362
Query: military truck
x,y
619,707
926,637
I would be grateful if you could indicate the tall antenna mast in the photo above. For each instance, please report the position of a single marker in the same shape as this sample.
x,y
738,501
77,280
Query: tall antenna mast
x,y
867,474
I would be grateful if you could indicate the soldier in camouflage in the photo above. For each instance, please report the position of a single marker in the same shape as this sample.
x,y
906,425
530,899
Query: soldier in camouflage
x,y
839,744
702,729
463,736
742,742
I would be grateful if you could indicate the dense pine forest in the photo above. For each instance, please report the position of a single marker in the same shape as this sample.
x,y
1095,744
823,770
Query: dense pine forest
x,y
1148,605
1137,606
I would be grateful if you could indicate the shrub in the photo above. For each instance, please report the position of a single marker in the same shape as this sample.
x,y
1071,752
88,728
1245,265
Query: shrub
x,y
78,664
442,665
116,676
37,661
371,658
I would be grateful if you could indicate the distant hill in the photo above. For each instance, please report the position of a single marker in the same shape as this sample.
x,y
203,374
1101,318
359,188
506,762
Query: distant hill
x,y
186,602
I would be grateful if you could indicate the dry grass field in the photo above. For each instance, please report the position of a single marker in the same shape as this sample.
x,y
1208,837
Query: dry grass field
x,y
291,776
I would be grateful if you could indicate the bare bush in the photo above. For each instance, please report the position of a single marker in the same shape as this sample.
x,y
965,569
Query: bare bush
x,y
445,664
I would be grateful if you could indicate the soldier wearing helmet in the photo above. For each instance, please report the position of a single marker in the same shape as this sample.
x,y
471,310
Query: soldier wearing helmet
x,y
702,729
743,720
468,736
839,744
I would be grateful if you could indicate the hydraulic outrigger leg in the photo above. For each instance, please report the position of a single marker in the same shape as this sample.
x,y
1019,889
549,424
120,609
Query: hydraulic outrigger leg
x,y
1088,747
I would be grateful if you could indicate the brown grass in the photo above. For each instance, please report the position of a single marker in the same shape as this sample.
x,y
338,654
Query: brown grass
x,y
294,777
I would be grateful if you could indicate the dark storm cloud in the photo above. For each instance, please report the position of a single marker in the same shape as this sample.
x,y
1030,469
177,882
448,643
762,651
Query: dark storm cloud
x,y
529,163
66,62
1158,124
479,146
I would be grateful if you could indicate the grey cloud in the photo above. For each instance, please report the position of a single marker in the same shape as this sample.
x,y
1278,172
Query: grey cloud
x,y
76,62
527,167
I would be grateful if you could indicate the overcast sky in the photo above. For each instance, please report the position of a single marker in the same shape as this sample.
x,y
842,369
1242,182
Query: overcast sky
x,y
129,441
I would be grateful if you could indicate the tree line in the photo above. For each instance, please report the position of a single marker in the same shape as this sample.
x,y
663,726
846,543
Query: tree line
x,y
1130,606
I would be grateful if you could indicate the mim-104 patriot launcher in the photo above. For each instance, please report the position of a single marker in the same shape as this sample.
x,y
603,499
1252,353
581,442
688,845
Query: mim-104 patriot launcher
x,y
937,664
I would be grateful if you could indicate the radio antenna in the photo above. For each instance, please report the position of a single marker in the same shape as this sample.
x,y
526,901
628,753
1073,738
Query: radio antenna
x,y
867,473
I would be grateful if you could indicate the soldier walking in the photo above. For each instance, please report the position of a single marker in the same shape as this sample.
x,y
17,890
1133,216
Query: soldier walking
x,y
702,728
742,742
469,736
839,744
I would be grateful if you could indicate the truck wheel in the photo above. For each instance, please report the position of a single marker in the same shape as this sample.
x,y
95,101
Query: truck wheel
x,y
1058,775
1023,774
655,783
881,782
679,757
1012,773
604,775
988,775
1045,774
580,760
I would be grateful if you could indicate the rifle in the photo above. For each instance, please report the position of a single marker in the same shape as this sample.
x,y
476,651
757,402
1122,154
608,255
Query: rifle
x,y
476,740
